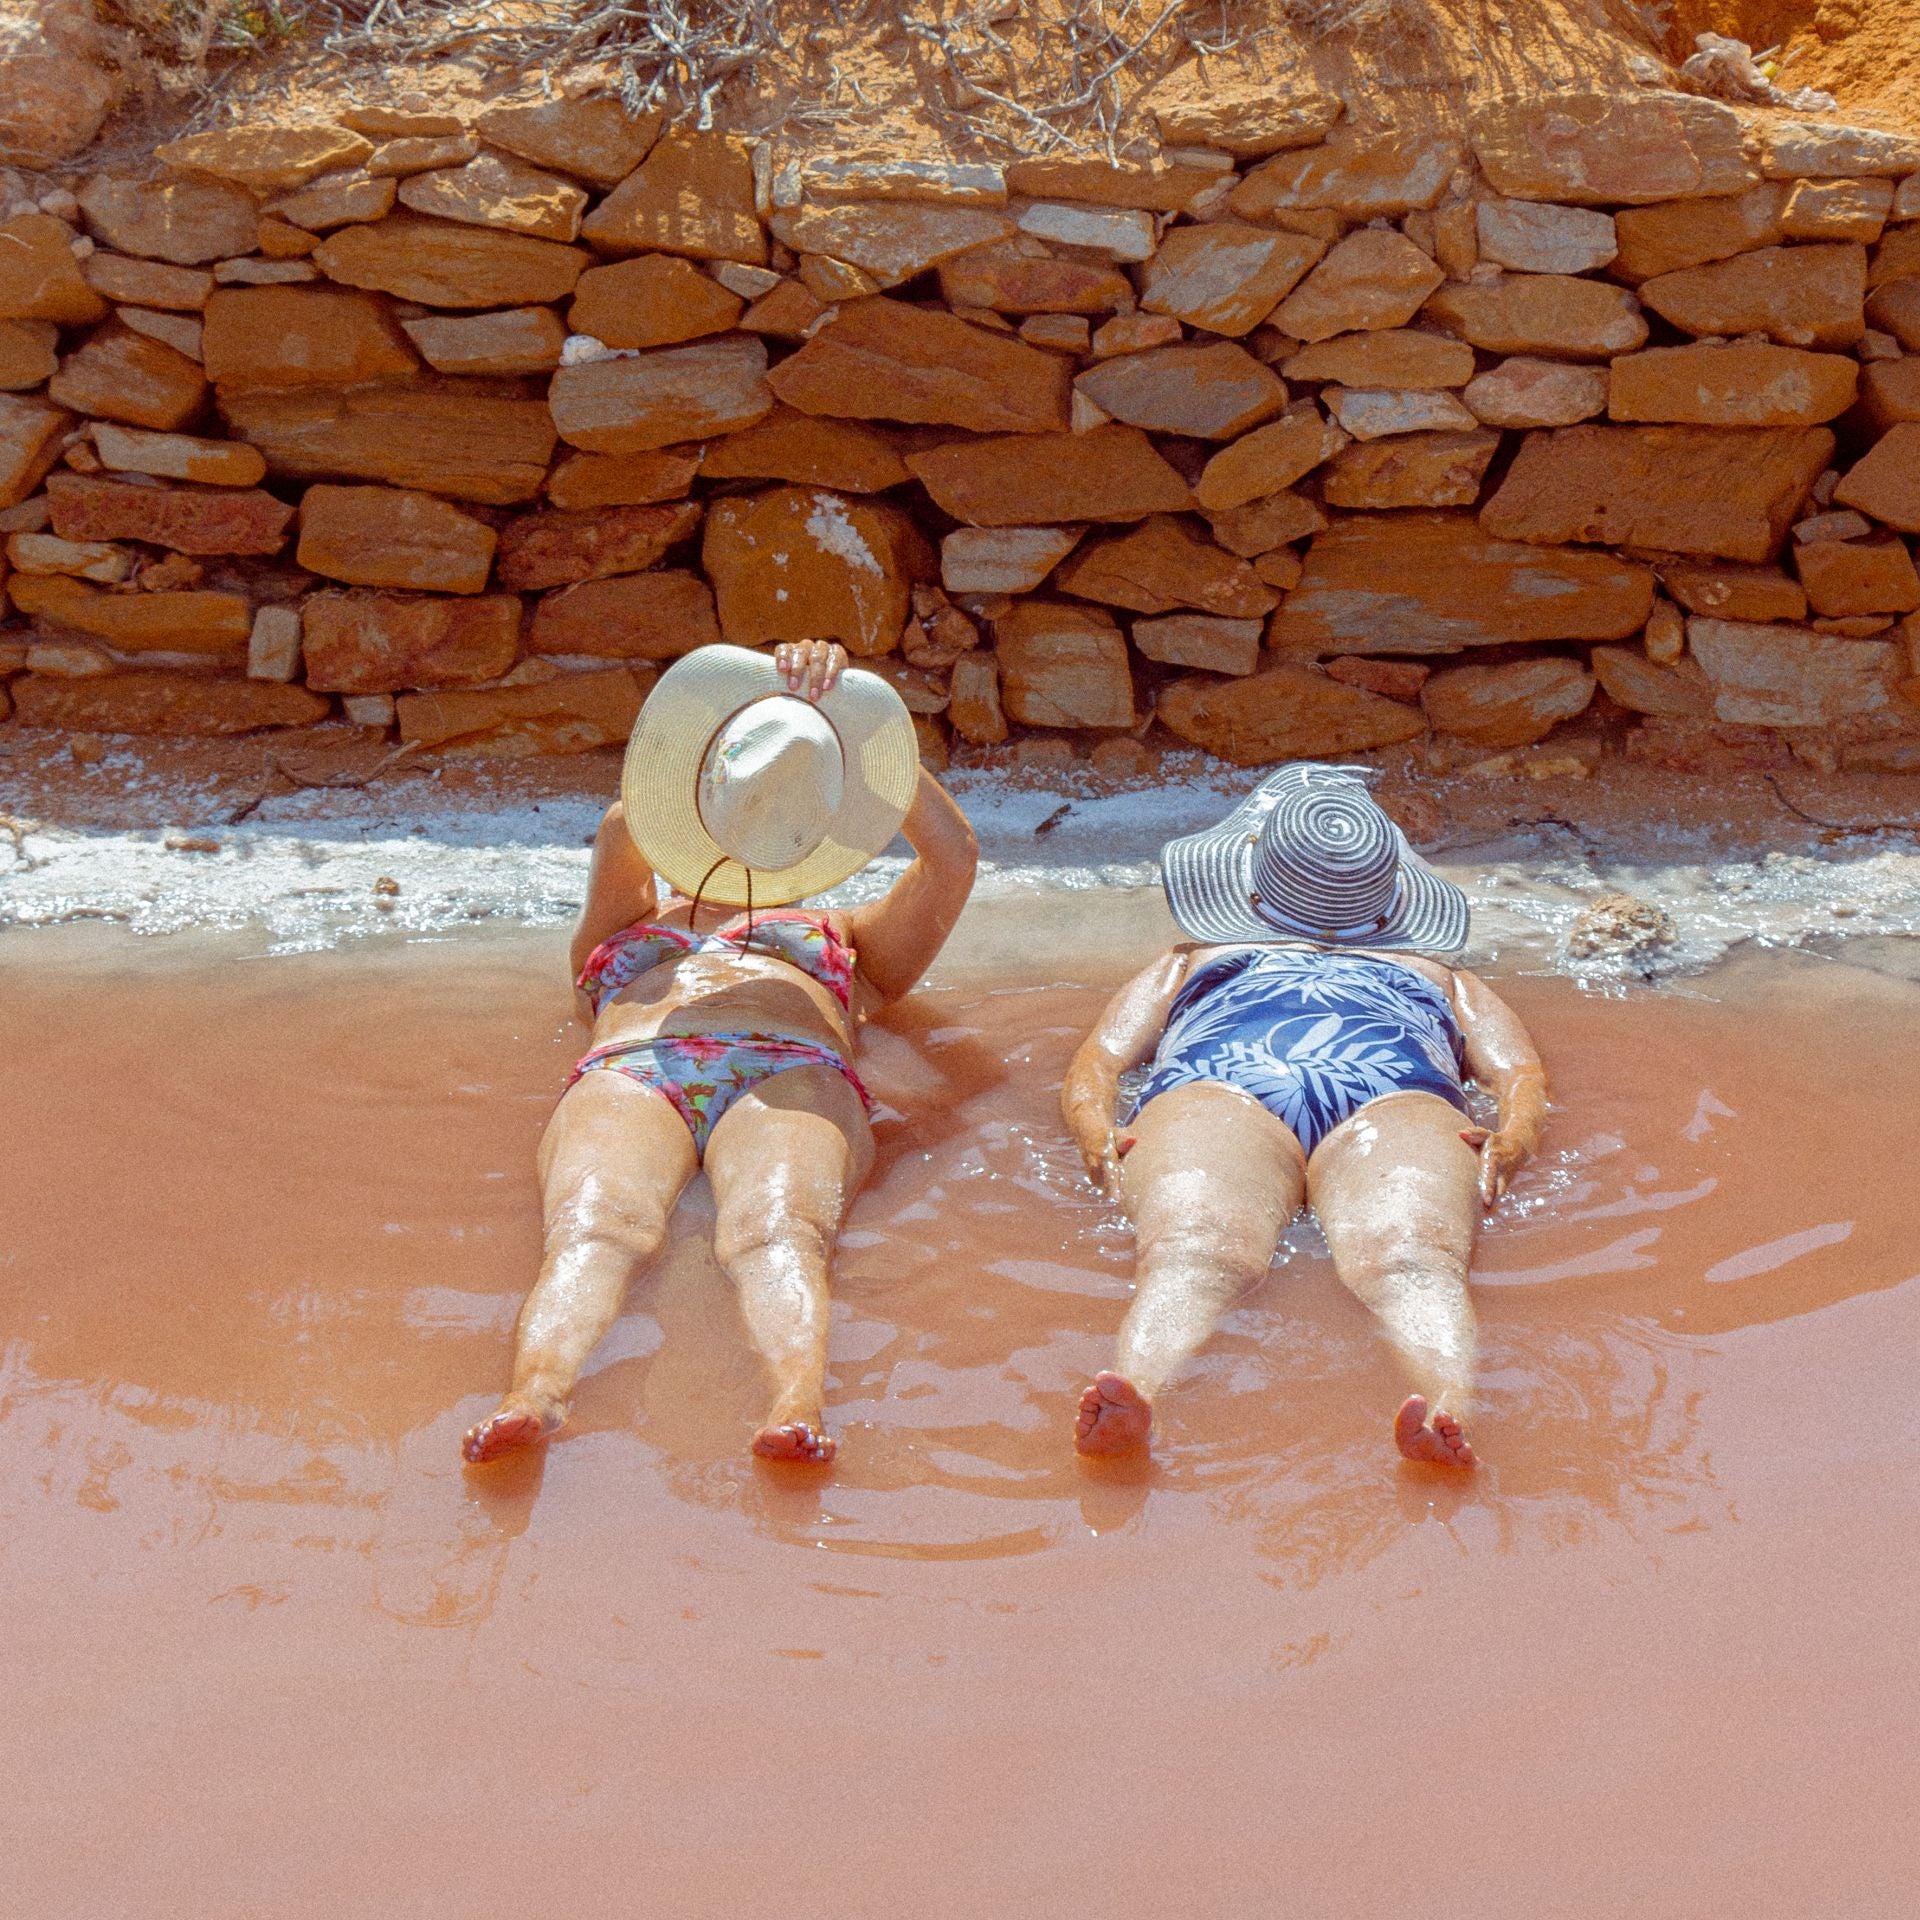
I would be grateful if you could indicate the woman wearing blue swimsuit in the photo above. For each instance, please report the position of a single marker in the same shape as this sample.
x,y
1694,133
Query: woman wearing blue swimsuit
x,y
724,1034
1305,1046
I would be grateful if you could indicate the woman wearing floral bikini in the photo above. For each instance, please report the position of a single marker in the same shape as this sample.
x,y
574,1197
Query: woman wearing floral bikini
x,y
724,1033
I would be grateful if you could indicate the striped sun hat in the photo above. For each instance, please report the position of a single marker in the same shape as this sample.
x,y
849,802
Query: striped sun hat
x,y
1309,856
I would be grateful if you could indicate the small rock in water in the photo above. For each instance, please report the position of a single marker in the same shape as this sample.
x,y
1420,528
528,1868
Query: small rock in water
x,y
86,749
1619,925
178,842
386,888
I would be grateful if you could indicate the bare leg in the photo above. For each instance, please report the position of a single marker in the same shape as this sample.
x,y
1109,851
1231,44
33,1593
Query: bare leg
x,y
1211,1182
785,1163
613,1161
1394,1191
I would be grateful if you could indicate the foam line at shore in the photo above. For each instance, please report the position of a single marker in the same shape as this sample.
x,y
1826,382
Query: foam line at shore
x,y
305,869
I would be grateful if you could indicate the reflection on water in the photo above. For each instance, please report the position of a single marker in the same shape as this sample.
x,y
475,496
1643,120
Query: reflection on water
x,y
269,1274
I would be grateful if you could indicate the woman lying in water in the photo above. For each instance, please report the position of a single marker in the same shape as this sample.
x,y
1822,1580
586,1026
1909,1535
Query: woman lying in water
x,y
1306,1046
727,1040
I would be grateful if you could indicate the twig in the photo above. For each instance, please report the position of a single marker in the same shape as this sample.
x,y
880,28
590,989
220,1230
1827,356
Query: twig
x,y
333,782
1836,826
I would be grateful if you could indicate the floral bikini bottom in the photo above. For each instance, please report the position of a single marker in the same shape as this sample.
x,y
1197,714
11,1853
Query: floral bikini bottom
x,y
703,1074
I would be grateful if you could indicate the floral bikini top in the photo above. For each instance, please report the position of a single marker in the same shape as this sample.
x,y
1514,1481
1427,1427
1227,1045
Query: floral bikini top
x,y
797,938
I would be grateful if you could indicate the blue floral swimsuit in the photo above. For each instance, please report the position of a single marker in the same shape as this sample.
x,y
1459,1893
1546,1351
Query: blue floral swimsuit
x,y
1312,1036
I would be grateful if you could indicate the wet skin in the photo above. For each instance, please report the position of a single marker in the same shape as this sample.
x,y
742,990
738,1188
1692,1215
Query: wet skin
x,y
1211,1179
785,1160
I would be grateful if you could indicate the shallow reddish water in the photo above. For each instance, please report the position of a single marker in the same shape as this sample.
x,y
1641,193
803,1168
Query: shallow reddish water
x,y
268,1649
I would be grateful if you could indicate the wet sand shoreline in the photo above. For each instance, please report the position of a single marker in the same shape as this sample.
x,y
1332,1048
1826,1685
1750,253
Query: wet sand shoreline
x,y
266,1220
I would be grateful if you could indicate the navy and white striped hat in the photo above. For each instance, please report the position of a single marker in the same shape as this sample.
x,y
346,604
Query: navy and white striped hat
x,y
1309,856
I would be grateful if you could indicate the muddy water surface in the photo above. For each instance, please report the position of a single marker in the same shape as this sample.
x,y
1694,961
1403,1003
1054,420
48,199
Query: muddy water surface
x,y
269,1649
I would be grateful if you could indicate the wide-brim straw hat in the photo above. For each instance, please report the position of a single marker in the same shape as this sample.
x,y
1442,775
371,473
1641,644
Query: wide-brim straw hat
x,y
1309,856
668,755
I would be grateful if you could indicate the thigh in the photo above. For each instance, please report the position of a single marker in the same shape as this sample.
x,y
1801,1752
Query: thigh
x,y
1209,1159
1395,1182
614,1147
797,1146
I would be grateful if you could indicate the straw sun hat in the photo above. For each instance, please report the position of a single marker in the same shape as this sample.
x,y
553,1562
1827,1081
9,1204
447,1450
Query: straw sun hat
x,y
745,794
1308,856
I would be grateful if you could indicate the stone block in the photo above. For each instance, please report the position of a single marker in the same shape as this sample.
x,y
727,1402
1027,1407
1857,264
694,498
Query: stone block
x,y
205,623
1792,149
1886,483
890,240
660,398
623,479
941,183
1843,210
29,354
1413,470
693,195
1117,233
39,277
499,192
1358,173
1270,458
1531,237
462,439
122,375
1894,307
182,332
809,450
654,300
367,642
1858,576
1435,583
1524,392
1063,666
882,359
1730,592
1665,489
188,222
1890,393
393,537
1746,383
1393,679
554,549
1201,640
569,713
1207,392
1164,564
31,431
1196,106
1511,704
334,200
973,700
1610,149
163,703
302,336
516,340
1680,691
1287,711
264,159
96,560
265,273
1545,313
1022,275
1373,278
1811,296
657,615
147,283
1257,527
800,563
1394,358
1016,480
595,139
273,645
1775,676
1159,186
1371,415
210,520
1690,233
441,264
423,153
1223,275
1003,559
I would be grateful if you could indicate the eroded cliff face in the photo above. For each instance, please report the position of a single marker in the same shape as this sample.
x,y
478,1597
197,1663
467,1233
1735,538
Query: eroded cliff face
x,y
1386,395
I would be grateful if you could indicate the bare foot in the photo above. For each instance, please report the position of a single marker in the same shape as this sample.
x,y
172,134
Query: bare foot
x,y
1114,1415
1443,1444
800,1440
514,1424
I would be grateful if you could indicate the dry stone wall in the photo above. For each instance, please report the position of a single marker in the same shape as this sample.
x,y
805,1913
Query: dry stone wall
x,y
1300,437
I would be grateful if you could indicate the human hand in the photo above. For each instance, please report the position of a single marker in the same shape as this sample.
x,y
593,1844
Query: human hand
x,y
1103,1149
1502,1154
811,668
